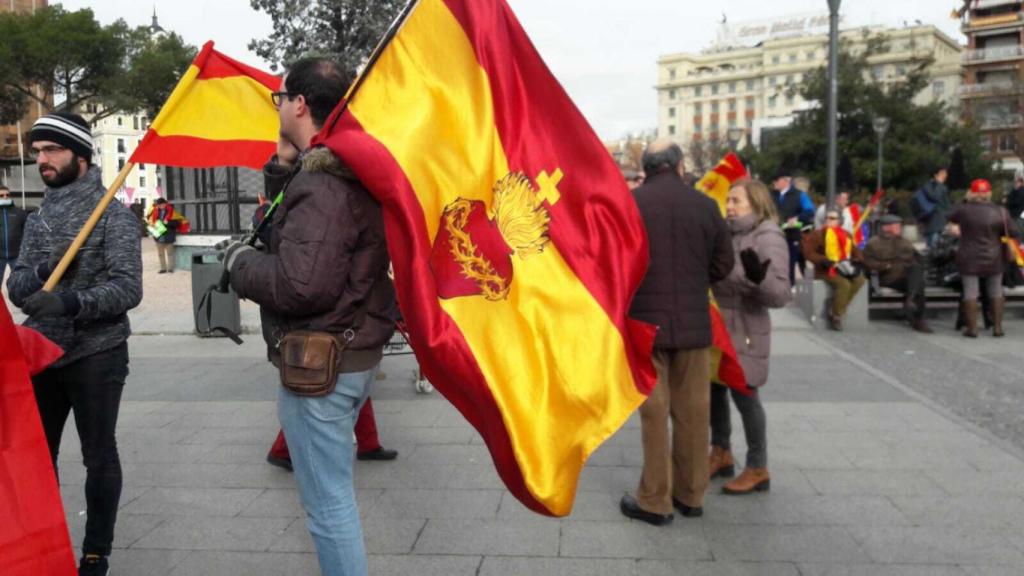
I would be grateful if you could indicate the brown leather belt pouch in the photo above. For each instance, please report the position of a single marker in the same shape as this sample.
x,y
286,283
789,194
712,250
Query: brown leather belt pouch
x,y
309,362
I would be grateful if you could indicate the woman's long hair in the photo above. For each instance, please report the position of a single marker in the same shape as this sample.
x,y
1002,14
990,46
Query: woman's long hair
x,y
760,199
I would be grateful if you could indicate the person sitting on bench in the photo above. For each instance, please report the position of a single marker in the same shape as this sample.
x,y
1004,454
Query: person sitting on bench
x,y
899,267
837,261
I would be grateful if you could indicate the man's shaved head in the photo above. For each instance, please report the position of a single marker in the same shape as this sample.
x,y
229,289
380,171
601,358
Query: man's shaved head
x,y
662,155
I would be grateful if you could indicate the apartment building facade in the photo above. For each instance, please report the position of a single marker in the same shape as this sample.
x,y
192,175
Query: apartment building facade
x,y
9,134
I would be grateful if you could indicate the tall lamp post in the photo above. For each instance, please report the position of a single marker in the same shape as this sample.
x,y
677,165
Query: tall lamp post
x,y
734,134
833,99
881,126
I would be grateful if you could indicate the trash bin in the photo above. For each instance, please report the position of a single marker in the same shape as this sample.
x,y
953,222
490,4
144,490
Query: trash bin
x,y
225,311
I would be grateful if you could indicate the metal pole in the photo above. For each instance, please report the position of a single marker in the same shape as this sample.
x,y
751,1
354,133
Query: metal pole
x,y
881,140
21,156
833,99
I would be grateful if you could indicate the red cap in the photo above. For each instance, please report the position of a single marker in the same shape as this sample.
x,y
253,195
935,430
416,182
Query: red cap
x,y
981,186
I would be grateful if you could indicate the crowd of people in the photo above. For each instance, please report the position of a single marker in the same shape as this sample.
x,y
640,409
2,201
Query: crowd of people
x,y
321,282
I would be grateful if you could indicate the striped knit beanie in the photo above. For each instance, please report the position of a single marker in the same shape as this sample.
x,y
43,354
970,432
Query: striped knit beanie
x,y
69,130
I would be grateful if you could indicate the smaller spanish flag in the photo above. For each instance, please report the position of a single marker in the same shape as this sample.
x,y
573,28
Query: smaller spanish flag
x,y
220,114
717,182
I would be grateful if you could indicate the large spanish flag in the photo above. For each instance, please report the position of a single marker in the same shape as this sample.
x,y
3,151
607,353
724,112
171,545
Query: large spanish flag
x,y
220,114
33,535
516,245
725,363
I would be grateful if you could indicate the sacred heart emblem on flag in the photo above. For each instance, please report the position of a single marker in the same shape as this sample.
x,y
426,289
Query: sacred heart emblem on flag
x,y
473,250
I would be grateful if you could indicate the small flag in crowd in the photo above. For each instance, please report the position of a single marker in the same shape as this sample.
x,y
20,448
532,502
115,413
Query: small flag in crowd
x,y
517,247
720,179
220,114
34,538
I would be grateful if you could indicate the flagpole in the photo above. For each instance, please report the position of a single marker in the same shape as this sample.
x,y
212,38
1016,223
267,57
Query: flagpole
x,y
87,229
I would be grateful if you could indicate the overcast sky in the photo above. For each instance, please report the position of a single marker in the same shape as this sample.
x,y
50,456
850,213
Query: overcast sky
x,y
604,53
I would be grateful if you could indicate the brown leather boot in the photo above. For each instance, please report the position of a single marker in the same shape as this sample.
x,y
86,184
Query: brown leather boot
x,y
998,305
751,480
720,463
971,319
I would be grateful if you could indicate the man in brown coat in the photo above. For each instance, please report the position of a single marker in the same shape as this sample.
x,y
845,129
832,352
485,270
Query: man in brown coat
x,y
899,267
836,260
691,248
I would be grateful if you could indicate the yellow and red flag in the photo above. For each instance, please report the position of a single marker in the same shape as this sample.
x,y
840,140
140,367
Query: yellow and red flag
x,y
517,247
1015,249
33,535
725,363
219,114
720,179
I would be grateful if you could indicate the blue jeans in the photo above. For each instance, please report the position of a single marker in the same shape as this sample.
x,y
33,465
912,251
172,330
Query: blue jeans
x,y
319,435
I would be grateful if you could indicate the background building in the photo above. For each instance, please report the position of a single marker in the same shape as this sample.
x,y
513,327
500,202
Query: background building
x,y
742,81
993,90
9,134
115,139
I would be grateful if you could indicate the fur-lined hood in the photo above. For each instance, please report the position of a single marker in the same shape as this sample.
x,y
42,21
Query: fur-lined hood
x,y
321,159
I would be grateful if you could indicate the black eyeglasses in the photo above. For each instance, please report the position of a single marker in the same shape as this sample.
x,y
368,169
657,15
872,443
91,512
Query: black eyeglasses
x,y
45,150
278,97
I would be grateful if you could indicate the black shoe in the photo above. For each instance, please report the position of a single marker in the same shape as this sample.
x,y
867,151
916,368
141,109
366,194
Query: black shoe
x,y
688,511
93,566
279,462
630,508
378,454
162,272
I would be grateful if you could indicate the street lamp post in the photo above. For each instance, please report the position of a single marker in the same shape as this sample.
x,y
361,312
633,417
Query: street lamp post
x,y
833,99
734,135
881,126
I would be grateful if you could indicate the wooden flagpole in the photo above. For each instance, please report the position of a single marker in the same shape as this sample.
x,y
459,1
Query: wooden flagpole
x,y
87,229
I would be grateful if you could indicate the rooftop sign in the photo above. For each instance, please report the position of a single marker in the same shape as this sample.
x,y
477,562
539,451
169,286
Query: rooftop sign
x,y
752,33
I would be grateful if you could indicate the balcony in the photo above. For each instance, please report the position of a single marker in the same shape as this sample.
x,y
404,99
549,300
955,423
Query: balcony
x,y
1002,122
993,54
991,89
1010,19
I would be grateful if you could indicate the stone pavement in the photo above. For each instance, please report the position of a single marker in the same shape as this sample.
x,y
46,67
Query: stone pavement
x,y
869,477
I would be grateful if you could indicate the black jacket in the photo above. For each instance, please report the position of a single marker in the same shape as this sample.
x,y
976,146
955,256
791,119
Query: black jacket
x,y
691,248
1015,203
12,225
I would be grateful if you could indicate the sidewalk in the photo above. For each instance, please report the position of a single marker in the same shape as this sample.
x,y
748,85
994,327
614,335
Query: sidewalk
x,y
868,478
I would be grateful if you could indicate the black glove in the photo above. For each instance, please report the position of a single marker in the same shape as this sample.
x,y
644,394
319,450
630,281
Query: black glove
x,y
755,270
229,251
49,304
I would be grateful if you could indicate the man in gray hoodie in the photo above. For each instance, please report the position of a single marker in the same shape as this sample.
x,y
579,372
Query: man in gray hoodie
x,y
86,315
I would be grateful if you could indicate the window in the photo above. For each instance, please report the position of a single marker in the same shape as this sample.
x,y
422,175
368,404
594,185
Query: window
x,y
732,105
790,100
750,85
671,73
732,87
772,100
1008,142
938,88
120,164
714,107
698,91
671,94
135,122
811,54
142,181
671,130
775,59
696,126
142,167
877,72
732,123
714,127
714,89
120,121
789,79
792,58
698,108
773,81
750,102
672,112
120,145
901,70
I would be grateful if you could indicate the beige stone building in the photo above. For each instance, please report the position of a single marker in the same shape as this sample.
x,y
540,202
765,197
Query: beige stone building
x,y
742,81
114,140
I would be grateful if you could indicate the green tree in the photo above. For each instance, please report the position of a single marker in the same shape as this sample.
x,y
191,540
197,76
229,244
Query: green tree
x,y
344,30
919,139
68,58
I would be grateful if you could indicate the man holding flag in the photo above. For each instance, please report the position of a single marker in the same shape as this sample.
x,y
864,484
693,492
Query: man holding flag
x,y
86,314
691,248
326,271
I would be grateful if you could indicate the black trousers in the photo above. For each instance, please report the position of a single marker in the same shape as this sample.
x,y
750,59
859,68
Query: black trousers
x,y
912,286
91,387
796,254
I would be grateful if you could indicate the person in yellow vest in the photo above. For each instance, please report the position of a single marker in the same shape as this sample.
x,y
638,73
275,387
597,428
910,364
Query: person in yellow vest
x,y
837,261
